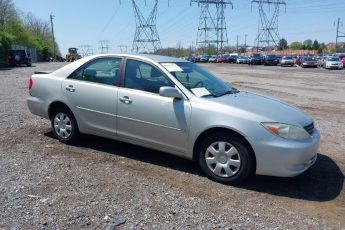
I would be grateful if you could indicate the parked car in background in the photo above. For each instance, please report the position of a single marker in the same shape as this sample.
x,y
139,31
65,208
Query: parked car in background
x,y
19,57
255,59
213,58
333,63
309,62
287,61
343,62
242,60
220,59
191,59
231,59
205,58
175,106
270,59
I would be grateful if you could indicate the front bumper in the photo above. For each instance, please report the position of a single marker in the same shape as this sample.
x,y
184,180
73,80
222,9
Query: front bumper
x,y
286,158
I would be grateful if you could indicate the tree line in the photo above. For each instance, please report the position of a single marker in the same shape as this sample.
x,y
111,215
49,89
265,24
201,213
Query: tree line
x,y
21,28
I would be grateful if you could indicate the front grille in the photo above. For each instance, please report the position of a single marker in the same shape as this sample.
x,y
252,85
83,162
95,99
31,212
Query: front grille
x,y
309,128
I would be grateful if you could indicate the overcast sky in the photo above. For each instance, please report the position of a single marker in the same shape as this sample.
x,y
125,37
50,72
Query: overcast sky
x,y
86,22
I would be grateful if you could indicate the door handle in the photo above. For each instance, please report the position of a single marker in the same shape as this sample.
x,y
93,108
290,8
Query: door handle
x,y
70,88
126,100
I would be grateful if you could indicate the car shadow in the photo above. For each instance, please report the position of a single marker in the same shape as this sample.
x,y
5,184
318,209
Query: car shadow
x,y
5,67
322,182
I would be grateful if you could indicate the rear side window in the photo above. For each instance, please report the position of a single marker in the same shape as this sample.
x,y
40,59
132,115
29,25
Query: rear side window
x,y
103,71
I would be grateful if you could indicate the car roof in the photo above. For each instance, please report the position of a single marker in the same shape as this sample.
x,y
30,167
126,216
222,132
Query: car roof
x,y
155,58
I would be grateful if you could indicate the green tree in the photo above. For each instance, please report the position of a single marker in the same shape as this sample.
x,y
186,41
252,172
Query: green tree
x,y
282,44
295,45
308,44
316,45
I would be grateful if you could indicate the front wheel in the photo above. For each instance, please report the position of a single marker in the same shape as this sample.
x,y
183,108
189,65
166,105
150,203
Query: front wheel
x,y
225,158
64,125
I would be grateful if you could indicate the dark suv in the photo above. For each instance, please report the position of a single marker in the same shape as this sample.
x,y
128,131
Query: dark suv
x,y
255,59
19,57
271,59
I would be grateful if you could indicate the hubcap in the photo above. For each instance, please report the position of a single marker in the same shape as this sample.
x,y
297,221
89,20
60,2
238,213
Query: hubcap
x,y
223,159
62,125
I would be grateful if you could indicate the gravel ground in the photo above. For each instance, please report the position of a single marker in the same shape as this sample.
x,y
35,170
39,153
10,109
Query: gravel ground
x,y
104,184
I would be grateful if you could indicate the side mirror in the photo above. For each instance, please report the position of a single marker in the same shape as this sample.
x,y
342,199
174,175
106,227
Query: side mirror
x,y
167,91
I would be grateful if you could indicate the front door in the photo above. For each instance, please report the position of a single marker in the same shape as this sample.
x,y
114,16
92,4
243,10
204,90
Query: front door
x,y
146,116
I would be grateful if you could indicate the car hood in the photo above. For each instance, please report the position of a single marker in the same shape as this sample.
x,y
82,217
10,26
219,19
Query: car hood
x,y
263,109
333,62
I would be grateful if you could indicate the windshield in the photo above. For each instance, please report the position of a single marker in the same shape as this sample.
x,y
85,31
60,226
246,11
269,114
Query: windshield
x,y
197,80
333,59
287,58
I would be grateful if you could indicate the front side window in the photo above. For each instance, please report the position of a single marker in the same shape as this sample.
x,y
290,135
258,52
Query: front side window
x,y
103,71
145,77
197,80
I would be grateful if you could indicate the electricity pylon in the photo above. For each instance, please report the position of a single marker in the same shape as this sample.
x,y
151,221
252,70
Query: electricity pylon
x,y
146,38
268,29
104,46
212,25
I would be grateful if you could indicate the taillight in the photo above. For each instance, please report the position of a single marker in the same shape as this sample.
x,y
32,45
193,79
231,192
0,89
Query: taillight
x,y
30,83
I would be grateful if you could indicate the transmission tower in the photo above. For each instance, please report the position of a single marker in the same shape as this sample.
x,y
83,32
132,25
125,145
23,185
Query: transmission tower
x,y
86,50
212,26
104,46
339,34
146,38
123,48
268,33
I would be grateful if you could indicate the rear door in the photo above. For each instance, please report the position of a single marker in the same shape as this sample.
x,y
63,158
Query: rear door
x,y
92,93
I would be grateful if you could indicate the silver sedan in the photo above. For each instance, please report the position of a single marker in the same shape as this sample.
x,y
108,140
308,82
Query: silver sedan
x,y
177,107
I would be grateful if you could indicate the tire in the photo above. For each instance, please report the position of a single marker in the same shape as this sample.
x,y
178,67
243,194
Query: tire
x,y
232,166
64,125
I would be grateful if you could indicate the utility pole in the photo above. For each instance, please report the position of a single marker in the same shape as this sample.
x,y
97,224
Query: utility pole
x,y
237,43
52,25
245,42
338,35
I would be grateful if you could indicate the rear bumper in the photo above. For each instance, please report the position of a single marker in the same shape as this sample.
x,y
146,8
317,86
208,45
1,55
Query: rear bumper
x,y
37,106
286,158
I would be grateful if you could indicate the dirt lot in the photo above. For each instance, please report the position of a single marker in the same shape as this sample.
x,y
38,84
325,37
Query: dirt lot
x,y
104,184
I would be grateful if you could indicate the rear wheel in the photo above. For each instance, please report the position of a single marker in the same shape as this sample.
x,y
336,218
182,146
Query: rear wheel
x,y
225,158
64,125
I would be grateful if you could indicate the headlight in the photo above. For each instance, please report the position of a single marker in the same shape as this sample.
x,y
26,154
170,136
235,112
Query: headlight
x,y
286,131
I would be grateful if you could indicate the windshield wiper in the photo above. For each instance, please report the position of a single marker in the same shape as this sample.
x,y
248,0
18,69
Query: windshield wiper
x,y
232,91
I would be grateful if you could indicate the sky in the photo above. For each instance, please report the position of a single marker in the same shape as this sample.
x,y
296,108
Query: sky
x,y
87,22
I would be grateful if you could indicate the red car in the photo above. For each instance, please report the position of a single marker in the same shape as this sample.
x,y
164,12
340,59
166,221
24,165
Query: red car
x,y
220,59
343,61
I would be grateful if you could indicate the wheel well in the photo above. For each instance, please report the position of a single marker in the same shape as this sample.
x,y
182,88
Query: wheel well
x,y
202,136
55,105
